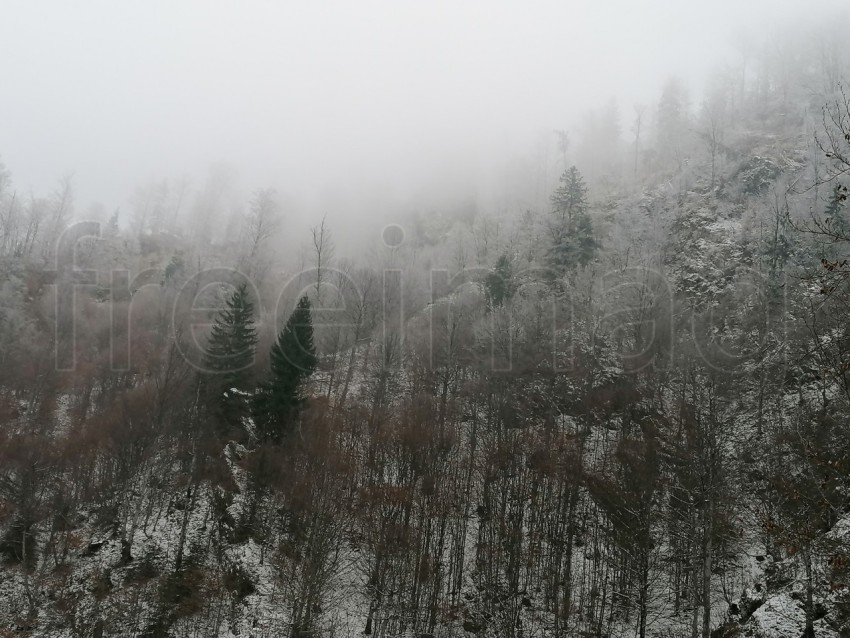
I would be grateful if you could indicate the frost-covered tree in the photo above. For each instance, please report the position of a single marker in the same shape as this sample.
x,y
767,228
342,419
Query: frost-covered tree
x,y
672,124
571,243
499,283
261,224
836,217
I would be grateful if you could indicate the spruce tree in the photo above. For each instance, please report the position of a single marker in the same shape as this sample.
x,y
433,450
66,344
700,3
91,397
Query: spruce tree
x,y
835,217
585,244
571,229
499,284
226,378
570,198
293,360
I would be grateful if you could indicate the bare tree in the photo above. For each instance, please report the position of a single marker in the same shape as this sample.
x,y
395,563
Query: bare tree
x,y
261,224
60,212
714,110
639,109
563,144
323,247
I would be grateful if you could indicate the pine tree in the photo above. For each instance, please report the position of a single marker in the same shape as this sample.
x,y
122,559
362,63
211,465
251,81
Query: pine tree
x,y
293,359
227,364
672,124
498,284
835,217
571,230
585,244
570,198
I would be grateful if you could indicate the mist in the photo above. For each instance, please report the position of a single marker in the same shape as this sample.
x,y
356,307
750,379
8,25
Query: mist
x,y
425,320
344,108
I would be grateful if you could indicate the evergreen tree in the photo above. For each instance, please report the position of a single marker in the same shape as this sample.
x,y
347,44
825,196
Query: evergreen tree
x,y
498,284
571,230
672,124
835,217
293,359
230,354
570,198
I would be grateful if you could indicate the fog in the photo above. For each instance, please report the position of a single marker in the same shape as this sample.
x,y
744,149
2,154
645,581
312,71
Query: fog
x,y
343,107
465,319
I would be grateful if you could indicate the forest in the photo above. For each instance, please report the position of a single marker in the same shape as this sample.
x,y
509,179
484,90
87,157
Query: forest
x,y
614,401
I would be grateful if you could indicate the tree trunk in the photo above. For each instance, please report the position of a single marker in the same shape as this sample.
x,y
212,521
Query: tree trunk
x,y
810,606
694,589
708,558
644,593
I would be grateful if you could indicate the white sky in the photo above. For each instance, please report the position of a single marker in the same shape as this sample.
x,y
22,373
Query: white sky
x,y
303,95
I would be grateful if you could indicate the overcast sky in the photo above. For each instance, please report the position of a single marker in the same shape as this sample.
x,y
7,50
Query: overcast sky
x,y
302,95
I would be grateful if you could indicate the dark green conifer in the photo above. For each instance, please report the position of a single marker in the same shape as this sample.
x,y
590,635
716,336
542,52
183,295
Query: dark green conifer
x,y
499,283
226,378
293,360
572,241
